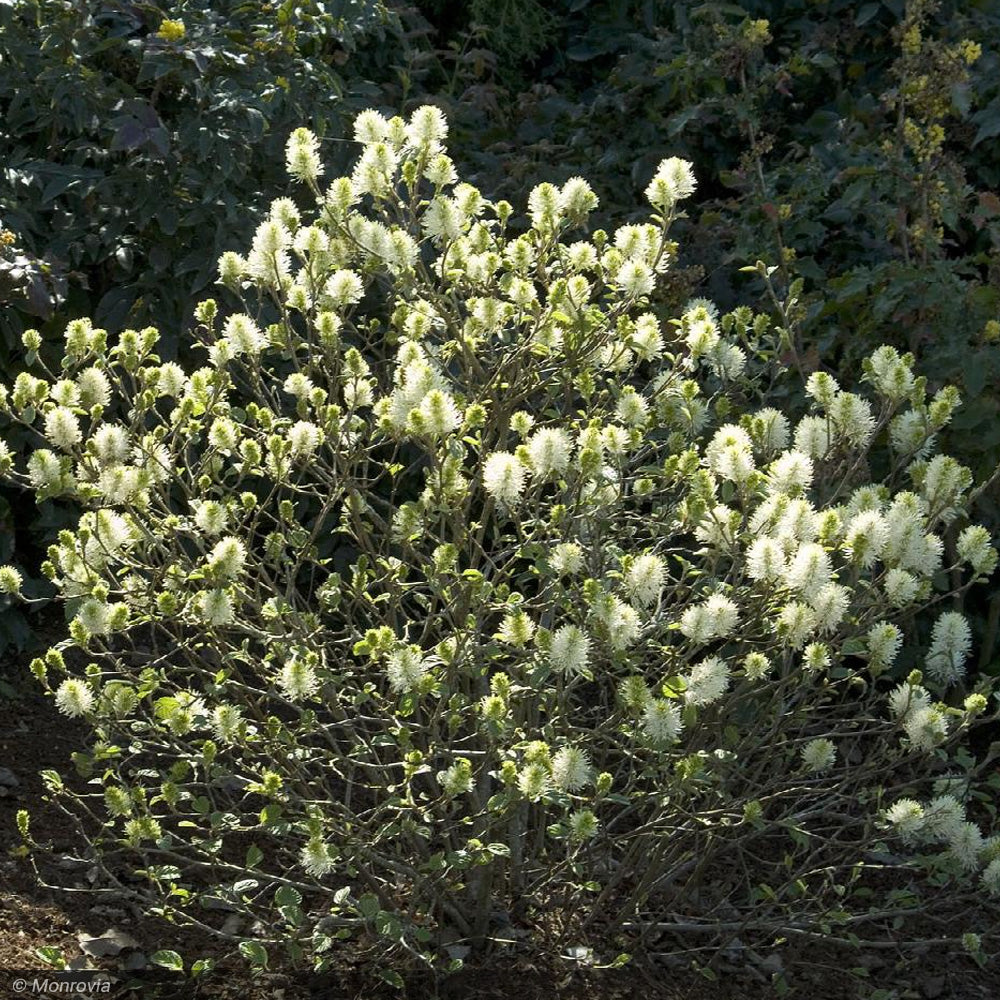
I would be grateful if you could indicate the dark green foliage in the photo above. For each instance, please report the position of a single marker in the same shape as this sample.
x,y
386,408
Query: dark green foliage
x,y
135,148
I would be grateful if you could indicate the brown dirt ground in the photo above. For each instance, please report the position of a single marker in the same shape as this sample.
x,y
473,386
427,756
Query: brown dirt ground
x,y
33,737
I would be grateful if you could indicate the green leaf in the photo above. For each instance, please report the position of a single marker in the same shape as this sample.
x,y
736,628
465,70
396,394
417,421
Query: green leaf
x,y
51,956
392,978
287,895
167,960
255,953
368,905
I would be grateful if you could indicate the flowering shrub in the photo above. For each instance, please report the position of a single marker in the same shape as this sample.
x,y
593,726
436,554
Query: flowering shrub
x,y
458,584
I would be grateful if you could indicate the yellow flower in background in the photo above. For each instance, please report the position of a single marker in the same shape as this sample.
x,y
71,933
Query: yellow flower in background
x,y
171,31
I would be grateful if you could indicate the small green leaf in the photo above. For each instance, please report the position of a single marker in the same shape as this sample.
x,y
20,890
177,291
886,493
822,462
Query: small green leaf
x,y
255,953
167,960
287,896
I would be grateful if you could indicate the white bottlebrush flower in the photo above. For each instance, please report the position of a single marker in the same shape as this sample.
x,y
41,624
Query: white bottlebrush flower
x,y
439,415
634,693
644,580
975,548
298,385
297,679
516,629
570,649
942,817
226,722
228,557
567,558
714,618
110,445
702,337
317,858
723,615
830,605
707,682
10,580
965,844
534,780
901,587
944,480
577,198
730,453
796,623
504,477
951,641
62,428
631,409
907,698
304,438
549,450
910,434
370,127
210,517
798,521
74,698
727,436
673,181
771,432
302,156
890,374
819,755
907,819
93,615
726,360
809,570
790,473
661,720
853,418
583,825
812,437
635,279
94,387
457,778
823,388
766,559
865,537
756,666
991,877
623,624
427,127
215,607
926,727
440,171
883,643
244,336
344,288
816,656
720,528
571,769
406,668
